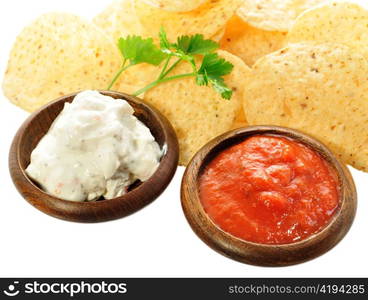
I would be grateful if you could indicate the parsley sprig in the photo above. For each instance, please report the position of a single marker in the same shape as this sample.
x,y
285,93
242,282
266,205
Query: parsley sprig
x,y
136,50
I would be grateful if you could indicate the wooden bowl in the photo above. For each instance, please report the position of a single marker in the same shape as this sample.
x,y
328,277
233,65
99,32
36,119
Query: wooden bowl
x,y
37,125
265,254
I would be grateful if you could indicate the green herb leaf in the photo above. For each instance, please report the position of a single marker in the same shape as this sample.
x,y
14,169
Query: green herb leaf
x,y
196,44
138,50
202,79
171,49
220,86
213,65
164,42
211,71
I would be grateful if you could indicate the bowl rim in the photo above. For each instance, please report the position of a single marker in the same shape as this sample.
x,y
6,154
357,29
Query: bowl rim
x,y
199,217
169,158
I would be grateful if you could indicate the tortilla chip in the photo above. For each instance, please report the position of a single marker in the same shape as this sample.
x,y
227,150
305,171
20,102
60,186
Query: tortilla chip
x,y
274,15
321,89
248,42
207,19
338,22
175,5
119,20
56,55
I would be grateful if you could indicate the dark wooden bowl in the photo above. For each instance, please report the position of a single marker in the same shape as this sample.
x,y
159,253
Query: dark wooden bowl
x,y
264,254
37,125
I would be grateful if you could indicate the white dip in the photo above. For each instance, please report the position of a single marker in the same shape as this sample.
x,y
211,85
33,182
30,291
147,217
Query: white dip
x,y
94,148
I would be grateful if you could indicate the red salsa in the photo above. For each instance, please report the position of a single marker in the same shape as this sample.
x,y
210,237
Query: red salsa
x,y
269,190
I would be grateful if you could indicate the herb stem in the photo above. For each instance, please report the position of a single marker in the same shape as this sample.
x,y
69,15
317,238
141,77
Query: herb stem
x,y
162,80
171,68
162,74
117,75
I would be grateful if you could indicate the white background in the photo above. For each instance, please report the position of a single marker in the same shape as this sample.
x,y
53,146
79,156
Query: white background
x,y
156,241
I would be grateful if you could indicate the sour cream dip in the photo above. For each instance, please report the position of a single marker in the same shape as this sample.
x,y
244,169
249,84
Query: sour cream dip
x,y
95,147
